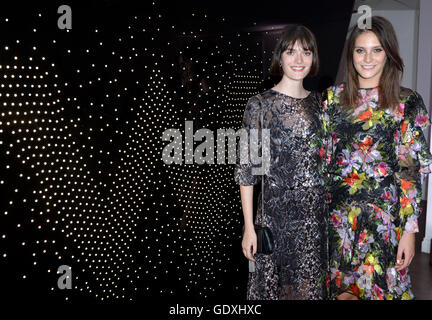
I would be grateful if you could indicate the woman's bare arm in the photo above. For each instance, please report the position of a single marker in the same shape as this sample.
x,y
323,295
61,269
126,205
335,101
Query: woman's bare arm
x,y
249,235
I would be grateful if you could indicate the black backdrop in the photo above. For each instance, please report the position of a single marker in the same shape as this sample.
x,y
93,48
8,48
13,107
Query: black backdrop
x,y
82,117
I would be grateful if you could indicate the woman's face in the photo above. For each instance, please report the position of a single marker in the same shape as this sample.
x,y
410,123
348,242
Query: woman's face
x,y
296,62
369,59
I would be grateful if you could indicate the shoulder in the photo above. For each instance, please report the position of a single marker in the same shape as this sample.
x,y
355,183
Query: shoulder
x,y
315,98
254,104
413,103
256,99
330,96
315,95
266,95
410,96
262,99
336,89
405,92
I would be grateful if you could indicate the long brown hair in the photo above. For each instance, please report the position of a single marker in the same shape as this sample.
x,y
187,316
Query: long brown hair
x,y
389,83
290,35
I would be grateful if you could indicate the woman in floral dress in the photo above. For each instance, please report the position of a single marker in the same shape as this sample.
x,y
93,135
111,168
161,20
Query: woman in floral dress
x,y
376,157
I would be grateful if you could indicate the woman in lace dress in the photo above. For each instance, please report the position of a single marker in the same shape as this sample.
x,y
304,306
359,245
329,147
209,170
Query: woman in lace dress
x,y
294,203
377,156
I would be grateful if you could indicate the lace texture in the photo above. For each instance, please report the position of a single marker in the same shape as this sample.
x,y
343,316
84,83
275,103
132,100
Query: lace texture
x,y
294,199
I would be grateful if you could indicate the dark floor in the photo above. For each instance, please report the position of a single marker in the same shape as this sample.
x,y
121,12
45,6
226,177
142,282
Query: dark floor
x,y
421,276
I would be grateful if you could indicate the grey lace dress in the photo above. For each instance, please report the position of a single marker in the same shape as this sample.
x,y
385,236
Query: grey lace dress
x,y
294,199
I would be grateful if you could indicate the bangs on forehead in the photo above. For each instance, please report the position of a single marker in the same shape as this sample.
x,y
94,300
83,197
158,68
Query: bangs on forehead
x,y
290,36
304,43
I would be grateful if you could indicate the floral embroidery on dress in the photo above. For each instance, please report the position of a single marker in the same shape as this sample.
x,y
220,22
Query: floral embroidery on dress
x,y
374,162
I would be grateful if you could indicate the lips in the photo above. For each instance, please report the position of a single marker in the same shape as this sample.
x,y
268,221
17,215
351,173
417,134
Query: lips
x,y
368,67
298,69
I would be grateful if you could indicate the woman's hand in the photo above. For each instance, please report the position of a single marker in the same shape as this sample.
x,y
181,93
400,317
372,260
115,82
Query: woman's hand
x,y
249,241
407,248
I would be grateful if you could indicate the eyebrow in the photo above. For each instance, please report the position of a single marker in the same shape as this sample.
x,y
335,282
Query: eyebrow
x,y
292,49
364,47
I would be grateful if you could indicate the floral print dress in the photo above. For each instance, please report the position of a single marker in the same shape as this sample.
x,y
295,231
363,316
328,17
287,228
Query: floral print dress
x,y
375,163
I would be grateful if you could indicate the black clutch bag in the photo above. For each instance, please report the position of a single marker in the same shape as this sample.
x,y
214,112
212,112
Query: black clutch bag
x,y
265,243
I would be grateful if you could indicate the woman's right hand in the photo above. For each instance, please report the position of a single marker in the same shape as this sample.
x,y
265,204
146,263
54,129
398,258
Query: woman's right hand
x,y
249,241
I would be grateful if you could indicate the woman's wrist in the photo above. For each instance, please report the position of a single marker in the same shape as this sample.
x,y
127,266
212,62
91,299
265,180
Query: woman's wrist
x,y
249,226
408,234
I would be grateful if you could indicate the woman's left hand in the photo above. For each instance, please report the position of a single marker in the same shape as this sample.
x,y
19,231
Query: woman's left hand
x,y
407,248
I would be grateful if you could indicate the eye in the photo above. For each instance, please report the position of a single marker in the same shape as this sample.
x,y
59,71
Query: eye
x,y
290,52
308,53
359,51
378,50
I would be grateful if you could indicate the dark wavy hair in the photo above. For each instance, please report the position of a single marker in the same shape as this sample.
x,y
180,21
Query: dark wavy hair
x,y
389,83
289,37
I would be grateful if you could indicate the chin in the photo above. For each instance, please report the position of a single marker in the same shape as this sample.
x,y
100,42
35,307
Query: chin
x,y
297,76
367,76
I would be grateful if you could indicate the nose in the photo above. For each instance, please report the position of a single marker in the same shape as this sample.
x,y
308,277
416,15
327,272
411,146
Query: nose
x,y
299,58
368,57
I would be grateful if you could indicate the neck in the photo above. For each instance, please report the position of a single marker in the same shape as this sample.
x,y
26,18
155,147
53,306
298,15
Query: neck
x,y
293,88
368,83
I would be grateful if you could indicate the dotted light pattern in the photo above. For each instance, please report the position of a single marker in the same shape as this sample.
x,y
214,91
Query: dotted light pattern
x,y
83,176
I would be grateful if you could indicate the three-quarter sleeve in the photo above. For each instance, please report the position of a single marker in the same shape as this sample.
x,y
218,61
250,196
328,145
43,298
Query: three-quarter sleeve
x,y
326,137
243,173
414,160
